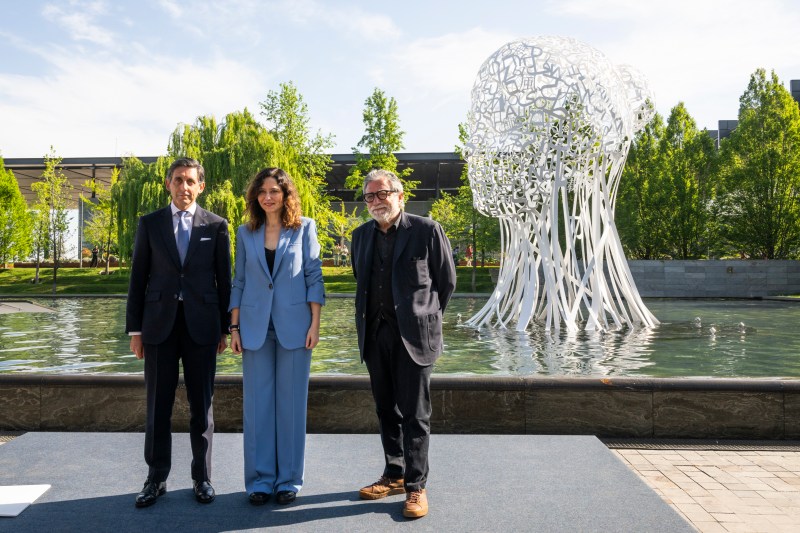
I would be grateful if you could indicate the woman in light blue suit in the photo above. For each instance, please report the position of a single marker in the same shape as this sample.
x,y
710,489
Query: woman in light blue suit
x,y
276,298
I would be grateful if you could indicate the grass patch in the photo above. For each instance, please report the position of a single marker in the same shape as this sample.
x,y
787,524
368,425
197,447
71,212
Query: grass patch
x,y
17,281
70,281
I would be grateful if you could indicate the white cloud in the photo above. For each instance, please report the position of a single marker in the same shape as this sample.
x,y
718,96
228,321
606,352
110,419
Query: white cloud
x,y
79,21
712,52
117,108
172,8
351,21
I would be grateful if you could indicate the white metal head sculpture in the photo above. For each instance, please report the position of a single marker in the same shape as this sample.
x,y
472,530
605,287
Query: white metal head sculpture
x,y
549,130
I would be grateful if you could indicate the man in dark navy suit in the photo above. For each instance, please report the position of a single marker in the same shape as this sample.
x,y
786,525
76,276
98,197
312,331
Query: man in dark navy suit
x,y
404,278
177,311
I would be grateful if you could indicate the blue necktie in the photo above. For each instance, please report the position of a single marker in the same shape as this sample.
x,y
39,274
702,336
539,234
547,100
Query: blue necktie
x,y
183,234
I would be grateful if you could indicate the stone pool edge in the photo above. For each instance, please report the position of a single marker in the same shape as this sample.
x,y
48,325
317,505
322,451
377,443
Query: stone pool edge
x,y
624,407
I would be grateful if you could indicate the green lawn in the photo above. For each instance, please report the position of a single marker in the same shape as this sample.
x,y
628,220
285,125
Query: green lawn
x,y
17,281
70,281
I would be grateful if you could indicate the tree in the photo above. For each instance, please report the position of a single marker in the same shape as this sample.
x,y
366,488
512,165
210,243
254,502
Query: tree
x,y
343,223
382,138
689,158
761,204
15,222
53,194
231,153
288,122
462,222
102,229
642,205
139,190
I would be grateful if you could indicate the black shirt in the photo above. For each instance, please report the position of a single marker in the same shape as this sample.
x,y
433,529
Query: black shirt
x,y
270,255
380,302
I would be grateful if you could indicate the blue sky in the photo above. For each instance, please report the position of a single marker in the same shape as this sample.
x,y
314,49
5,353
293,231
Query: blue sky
x,y
113,78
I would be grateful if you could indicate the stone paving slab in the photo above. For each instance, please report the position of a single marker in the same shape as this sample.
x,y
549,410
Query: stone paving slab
x,y
477,483
725,490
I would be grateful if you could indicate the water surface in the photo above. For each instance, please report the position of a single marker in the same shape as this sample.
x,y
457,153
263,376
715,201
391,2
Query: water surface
x,y
696,338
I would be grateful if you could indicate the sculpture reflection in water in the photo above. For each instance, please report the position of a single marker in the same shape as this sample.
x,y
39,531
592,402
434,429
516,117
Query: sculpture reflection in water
x,y
538,351
549,129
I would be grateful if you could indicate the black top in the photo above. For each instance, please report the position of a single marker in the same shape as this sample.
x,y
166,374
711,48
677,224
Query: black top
x,y
380,301
270,255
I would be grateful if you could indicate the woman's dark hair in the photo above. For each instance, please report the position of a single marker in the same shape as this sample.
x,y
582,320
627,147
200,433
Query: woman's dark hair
x,y
290,216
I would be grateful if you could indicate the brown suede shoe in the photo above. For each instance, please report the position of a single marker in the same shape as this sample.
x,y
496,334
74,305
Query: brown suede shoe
x,y
382,488
416,505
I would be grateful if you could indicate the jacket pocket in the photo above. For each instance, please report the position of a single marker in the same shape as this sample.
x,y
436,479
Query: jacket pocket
x,y
152,296
418,273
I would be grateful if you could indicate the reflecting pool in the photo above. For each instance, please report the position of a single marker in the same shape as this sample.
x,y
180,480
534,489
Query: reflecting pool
x,y
696,338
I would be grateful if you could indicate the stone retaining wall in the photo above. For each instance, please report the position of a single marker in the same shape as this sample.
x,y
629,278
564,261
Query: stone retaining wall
x,y
606,407
715,279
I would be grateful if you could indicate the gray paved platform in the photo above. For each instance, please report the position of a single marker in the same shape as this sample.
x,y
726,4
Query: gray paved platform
x,y
477,483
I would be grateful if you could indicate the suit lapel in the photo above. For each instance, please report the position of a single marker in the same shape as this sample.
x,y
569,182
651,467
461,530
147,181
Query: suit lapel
x,y
257,238
403,234
168,235
199,227
368,240
286,237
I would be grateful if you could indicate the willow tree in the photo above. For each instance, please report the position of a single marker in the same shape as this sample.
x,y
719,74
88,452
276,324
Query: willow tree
x,y
139,191
15,222
231,153
53,197
761,205
382,138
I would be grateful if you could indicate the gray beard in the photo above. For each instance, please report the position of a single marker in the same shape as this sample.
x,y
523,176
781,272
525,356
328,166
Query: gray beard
x,y
386,217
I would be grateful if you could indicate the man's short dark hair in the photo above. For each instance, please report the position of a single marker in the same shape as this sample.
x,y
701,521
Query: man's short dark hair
x,y
189,163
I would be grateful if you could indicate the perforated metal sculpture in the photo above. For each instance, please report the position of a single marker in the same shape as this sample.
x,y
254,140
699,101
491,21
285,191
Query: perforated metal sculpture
x,y
549,130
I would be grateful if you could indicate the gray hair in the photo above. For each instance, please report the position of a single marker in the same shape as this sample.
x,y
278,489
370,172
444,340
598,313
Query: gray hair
x,y
379,173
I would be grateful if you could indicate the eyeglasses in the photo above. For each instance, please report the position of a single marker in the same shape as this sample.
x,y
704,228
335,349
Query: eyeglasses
x,y
382,195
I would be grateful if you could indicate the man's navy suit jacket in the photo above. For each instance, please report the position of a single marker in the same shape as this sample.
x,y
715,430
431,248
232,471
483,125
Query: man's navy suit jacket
x,y
158,279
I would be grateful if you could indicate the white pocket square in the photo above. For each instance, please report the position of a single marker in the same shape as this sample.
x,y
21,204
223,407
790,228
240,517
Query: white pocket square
x,y
205,239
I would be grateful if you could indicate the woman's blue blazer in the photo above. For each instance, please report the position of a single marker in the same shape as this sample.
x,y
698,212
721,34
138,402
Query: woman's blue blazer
x,y
282,296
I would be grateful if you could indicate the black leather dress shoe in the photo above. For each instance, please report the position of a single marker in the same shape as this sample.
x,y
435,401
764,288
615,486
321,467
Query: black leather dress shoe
x,y
285,496
150,493
204,492
259,498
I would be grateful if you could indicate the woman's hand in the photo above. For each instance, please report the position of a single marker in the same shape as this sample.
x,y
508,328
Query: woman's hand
x,y
312,337
236,342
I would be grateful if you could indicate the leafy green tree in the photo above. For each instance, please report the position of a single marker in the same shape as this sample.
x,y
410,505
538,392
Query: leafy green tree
x,y
53,194
15,222
343,223
761,204
642,205
40,236
139,190
689,158
101,229
382,138
288,120
231,153
462,223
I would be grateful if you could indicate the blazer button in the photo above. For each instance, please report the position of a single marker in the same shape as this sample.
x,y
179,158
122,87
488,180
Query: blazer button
x,y
174,296
270,285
